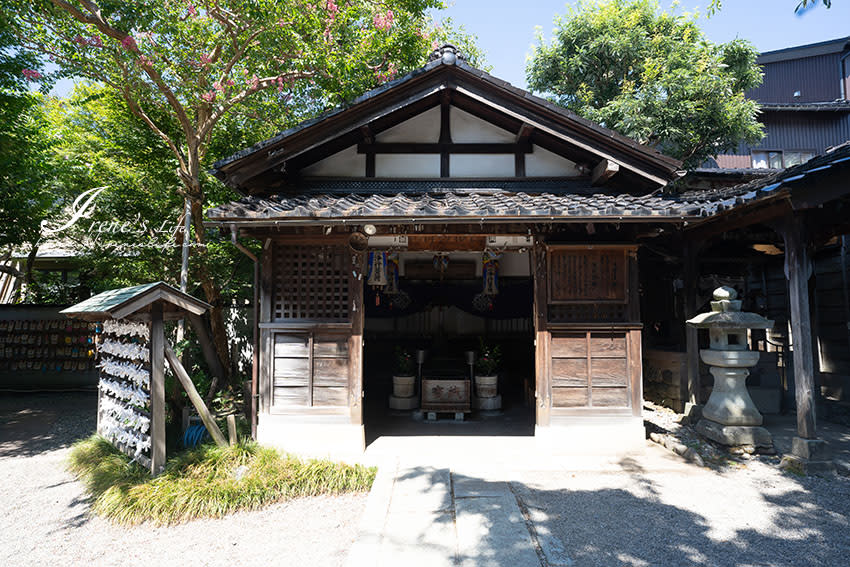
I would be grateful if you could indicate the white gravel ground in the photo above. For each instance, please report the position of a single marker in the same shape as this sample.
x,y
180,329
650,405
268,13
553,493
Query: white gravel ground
x,y
44,517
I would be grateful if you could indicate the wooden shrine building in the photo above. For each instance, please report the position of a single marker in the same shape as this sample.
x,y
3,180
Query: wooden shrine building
x,y
434,176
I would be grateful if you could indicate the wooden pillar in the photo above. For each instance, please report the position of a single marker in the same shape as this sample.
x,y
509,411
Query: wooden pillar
x,y
157,345
798,271
266,348
542,338
355,340
691,277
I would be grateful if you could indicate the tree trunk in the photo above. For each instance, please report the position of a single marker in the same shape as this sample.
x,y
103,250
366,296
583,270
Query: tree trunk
x,y
211,289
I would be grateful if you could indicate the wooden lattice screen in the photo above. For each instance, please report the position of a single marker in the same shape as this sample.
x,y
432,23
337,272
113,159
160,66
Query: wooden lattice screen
x,y
311,282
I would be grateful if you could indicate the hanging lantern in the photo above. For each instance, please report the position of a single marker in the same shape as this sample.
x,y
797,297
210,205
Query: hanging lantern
x,y
490,273
392,274
377,269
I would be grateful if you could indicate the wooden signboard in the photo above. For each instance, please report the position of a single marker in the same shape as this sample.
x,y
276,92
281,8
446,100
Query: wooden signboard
x,y
446,243
582,274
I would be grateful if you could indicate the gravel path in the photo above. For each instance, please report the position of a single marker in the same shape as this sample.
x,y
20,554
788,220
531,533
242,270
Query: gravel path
x,y
44,516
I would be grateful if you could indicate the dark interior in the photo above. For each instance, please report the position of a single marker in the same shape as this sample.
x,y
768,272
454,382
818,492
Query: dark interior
x,y
446,319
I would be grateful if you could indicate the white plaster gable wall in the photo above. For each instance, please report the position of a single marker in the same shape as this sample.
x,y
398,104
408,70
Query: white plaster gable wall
x,y
423,128
482,165
467,129
406,165
347,163
543,163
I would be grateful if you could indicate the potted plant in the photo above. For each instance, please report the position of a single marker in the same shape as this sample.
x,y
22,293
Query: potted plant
x,y
486,370
404,377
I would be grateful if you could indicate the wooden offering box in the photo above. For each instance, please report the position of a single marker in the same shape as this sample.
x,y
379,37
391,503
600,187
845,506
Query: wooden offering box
x,y
445,394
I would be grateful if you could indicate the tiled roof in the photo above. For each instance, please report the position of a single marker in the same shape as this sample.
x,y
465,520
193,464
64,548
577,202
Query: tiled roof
x,y
716,200
549,200
490,204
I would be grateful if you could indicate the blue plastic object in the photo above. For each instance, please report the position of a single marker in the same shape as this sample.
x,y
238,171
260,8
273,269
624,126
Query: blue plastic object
x,y
193,435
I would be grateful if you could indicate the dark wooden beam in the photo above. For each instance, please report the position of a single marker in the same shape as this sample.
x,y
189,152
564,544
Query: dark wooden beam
x,y
441,148
524,134
763,212
445,133
603,171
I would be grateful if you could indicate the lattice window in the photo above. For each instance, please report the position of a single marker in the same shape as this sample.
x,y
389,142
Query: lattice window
x,y
311,282
589,313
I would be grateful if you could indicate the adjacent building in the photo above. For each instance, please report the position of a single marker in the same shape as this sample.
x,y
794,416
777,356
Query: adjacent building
x,y
805,106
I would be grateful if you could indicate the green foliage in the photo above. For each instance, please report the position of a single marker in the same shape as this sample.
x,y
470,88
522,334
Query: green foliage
x,y
652,76
489,358
208,482
405,364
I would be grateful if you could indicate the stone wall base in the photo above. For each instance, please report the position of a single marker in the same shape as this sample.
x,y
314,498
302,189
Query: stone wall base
x,y
592,436
314,438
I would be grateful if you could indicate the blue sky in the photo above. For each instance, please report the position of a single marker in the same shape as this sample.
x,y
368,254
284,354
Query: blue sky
x,y
505,28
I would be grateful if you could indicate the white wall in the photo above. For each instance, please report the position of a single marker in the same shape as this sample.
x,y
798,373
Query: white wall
x,y
347,163
543,163
425,128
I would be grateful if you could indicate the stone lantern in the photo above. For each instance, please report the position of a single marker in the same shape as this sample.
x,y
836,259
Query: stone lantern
x,y
730,417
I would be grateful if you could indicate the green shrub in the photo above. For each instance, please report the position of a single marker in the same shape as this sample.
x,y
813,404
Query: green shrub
x,y
207,482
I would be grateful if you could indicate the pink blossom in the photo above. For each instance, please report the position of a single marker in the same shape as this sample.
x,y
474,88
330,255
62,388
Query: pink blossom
x,y
144,61
129,43
230,82
217,86
192,11
384,22
254,83
79,40
332,7
209,97
31,74
206,59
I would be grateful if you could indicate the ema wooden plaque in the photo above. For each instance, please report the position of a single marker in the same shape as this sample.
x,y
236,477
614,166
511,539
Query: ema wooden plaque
x,y
583,275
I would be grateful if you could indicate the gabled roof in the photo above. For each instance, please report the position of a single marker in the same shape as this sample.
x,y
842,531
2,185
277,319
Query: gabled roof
x,y
134,302
467,86
800,51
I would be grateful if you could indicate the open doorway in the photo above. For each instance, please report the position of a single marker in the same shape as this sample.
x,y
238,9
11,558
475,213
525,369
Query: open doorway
x,y
438,308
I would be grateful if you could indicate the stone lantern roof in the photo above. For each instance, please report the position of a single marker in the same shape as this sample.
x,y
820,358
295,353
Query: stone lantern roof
x,y
726,314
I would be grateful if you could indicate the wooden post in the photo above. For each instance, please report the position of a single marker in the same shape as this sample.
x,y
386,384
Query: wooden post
x,y
542,357
231,429
691,337
157,345
194,396
355,340
798,270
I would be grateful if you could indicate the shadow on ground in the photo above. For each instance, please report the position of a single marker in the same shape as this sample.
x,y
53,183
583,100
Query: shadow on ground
x,y
637,518
31,424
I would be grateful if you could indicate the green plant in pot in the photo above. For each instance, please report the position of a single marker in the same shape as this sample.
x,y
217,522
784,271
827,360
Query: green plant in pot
x,y
486,369
404,377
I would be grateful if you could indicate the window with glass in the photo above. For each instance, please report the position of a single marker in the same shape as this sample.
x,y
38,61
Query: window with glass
x,y
779,159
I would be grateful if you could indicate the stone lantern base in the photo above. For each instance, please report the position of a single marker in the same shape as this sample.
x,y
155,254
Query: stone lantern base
x,y
734,435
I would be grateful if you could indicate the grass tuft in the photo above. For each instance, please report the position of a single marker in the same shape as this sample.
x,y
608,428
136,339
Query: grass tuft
x,y
207,482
